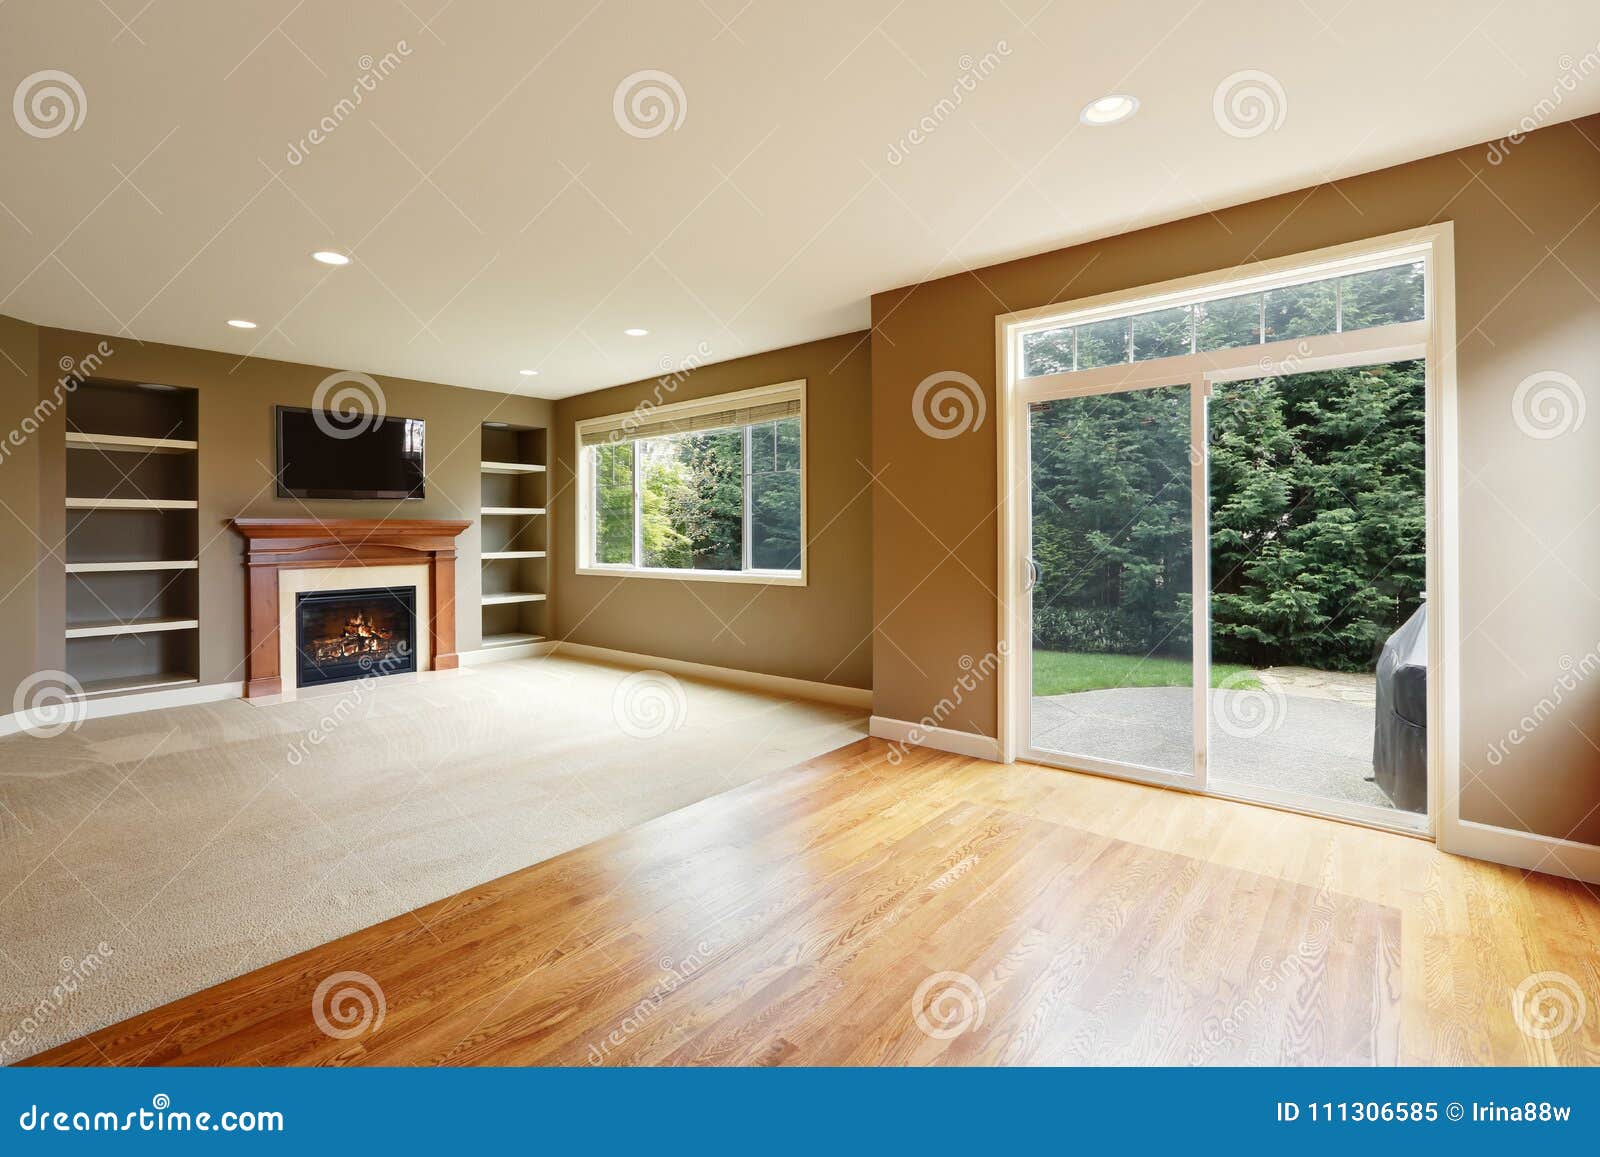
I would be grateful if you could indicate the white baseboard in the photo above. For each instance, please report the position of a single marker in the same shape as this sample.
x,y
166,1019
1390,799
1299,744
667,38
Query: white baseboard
x,y
938,738
1524,850
144,701
500,654
858,697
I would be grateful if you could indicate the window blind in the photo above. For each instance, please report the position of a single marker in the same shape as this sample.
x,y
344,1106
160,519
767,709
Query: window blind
x,y
667,421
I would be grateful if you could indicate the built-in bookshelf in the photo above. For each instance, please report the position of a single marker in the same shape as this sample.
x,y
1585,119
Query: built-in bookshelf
x,y
132,546
515,535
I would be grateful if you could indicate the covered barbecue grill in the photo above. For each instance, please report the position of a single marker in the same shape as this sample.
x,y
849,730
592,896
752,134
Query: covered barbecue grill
x,y
1400,737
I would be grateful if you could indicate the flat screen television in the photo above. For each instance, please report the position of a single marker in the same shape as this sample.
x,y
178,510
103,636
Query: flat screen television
x,y
322,454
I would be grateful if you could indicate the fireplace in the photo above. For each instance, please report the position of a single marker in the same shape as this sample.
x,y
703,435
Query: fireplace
x,y
286,557
348,634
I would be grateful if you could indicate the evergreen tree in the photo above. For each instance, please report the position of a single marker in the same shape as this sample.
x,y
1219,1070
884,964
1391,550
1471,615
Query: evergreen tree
x,y
1110,522
1317,516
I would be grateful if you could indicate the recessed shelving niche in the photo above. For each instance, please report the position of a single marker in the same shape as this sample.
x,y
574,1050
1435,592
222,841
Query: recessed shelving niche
x,y
514,535
132,560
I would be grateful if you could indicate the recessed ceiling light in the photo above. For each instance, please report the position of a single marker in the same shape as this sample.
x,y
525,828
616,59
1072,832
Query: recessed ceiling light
x,y
240,323
529,373
1108,110
331,257
636,332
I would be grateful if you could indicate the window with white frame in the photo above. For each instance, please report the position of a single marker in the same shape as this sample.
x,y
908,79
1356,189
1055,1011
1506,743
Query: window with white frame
x,y
712,488
1387,295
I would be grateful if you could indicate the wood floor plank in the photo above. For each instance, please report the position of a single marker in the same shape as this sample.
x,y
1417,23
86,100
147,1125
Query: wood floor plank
x,y
1046,917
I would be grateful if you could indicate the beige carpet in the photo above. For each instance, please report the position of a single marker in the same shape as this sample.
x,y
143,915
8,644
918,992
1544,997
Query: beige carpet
x,y
198,843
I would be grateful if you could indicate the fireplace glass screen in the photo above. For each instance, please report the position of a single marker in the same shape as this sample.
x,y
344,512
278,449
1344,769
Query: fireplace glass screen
x,y
349,634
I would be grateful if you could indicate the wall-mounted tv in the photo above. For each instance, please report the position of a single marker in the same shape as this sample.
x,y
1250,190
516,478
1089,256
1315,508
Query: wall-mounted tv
x,y
322,454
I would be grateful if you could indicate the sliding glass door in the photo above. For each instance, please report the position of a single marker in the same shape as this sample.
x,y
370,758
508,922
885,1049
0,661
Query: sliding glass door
x,y
1317,535
1112,575
1224,541
1224,584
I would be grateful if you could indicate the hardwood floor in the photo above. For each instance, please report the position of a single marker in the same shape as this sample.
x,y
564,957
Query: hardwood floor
x,y
1030,915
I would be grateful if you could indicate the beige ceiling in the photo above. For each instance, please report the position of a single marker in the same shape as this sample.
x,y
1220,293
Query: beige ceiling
x,y
502,218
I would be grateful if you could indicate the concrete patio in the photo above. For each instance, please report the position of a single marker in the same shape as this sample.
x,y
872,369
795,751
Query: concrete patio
x,y
1305,731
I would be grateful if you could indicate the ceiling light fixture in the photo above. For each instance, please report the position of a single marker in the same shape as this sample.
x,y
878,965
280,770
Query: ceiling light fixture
x,y
331,257
636,332
1109,110
240,323
529,373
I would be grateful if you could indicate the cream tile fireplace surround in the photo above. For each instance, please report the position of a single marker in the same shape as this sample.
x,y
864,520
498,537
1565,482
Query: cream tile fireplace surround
x,y
286,557
293,582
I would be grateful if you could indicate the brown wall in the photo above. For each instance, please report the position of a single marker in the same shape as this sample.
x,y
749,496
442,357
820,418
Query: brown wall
x,y
821,631
236,455
1528,300
19,506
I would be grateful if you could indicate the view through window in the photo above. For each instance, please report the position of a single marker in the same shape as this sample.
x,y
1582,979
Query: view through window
x,y
1317,538
707,494
1354,301
1293,483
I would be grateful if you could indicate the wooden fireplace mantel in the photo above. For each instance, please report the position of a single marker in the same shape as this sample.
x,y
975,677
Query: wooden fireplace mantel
x,y
276,544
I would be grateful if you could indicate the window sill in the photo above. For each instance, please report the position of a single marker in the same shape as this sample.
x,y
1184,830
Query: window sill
x,y
760,578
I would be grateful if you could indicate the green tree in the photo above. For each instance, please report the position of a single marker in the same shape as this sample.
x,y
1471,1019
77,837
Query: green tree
x,y
692,495
1317,515
775,495
661,492
710,508
613,483
1110,517
691,500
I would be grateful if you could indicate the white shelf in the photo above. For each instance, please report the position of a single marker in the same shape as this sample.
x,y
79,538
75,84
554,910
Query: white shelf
x,y
127,684
521,482
132,504
114,567
108,628
510,639
110,419
129,443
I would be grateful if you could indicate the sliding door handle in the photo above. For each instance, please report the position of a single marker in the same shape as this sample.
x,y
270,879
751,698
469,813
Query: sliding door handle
x,y
1033,574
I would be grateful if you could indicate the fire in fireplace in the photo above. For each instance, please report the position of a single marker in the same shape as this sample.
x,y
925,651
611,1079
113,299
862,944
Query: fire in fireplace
x,y
350,634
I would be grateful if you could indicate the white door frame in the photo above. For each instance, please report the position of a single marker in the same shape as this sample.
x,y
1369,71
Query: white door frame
x,y
1432,339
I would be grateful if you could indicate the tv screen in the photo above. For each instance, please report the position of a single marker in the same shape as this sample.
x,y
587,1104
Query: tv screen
x,y
322,454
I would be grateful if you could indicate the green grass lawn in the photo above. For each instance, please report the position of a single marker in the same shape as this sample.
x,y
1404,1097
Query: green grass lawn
x,y
1064,672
